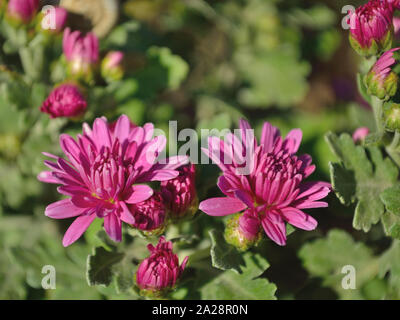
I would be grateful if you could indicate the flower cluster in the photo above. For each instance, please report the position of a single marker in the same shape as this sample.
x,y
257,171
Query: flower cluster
x,y
105,175
371,35
158,273
81,54
273,192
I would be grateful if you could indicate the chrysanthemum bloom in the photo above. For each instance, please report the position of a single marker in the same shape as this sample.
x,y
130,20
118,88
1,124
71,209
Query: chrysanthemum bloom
x,y
64,101
274,187
371,27
360,134
394,3
381,80
180,193
22,11
111,66
158,273
104,172
81,53
149,215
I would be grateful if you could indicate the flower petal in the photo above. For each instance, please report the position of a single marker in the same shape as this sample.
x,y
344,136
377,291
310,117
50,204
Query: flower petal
x,y
139,193
299,219
113,227
275,228
63,209
221,206
77,228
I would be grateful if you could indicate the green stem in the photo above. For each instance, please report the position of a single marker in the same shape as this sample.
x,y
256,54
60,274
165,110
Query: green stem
x,y
392,149
28,63
377,108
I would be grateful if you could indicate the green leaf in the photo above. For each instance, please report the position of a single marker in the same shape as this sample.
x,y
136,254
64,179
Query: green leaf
x,y
391,198
230,285
223,255
343,182
389,265
99,266
360,178
325,258
391,225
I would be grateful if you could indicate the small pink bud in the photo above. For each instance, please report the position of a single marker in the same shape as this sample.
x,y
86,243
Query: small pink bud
x,y
381,81
81,53
360,134
22,11
159,273
61,16
149,215
371,27
64,101
111,66
243,230
180,193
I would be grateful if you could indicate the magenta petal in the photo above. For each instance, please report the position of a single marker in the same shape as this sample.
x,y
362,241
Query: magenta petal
x,y
113,227
63,209
268,136
47,176
161,175
299,219
126,215
139,193
293,140
122,128
77,228
275,230
244,197
221,206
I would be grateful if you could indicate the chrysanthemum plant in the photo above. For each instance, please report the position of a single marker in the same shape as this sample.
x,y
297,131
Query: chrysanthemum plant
x,y
367,172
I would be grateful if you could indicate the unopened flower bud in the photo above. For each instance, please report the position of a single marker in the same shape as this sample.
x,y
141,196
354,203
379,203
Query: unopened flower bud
x,y
180,193
371,27
81,53
150,215
381,80
53,21
360,134
65,100
22,11
158,274
111,66
243,230
391,116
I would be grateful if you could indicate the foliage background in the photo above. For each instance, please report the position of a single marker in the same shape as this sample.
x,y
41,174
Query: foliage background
x,y
205,64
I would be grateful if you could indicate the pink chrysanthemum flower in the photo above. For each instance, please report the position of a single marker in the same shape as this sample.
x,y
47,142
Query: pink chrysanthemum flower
x,y
274,187
159,273
381,80
371,27
149,215
64,101
180,193
104,172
